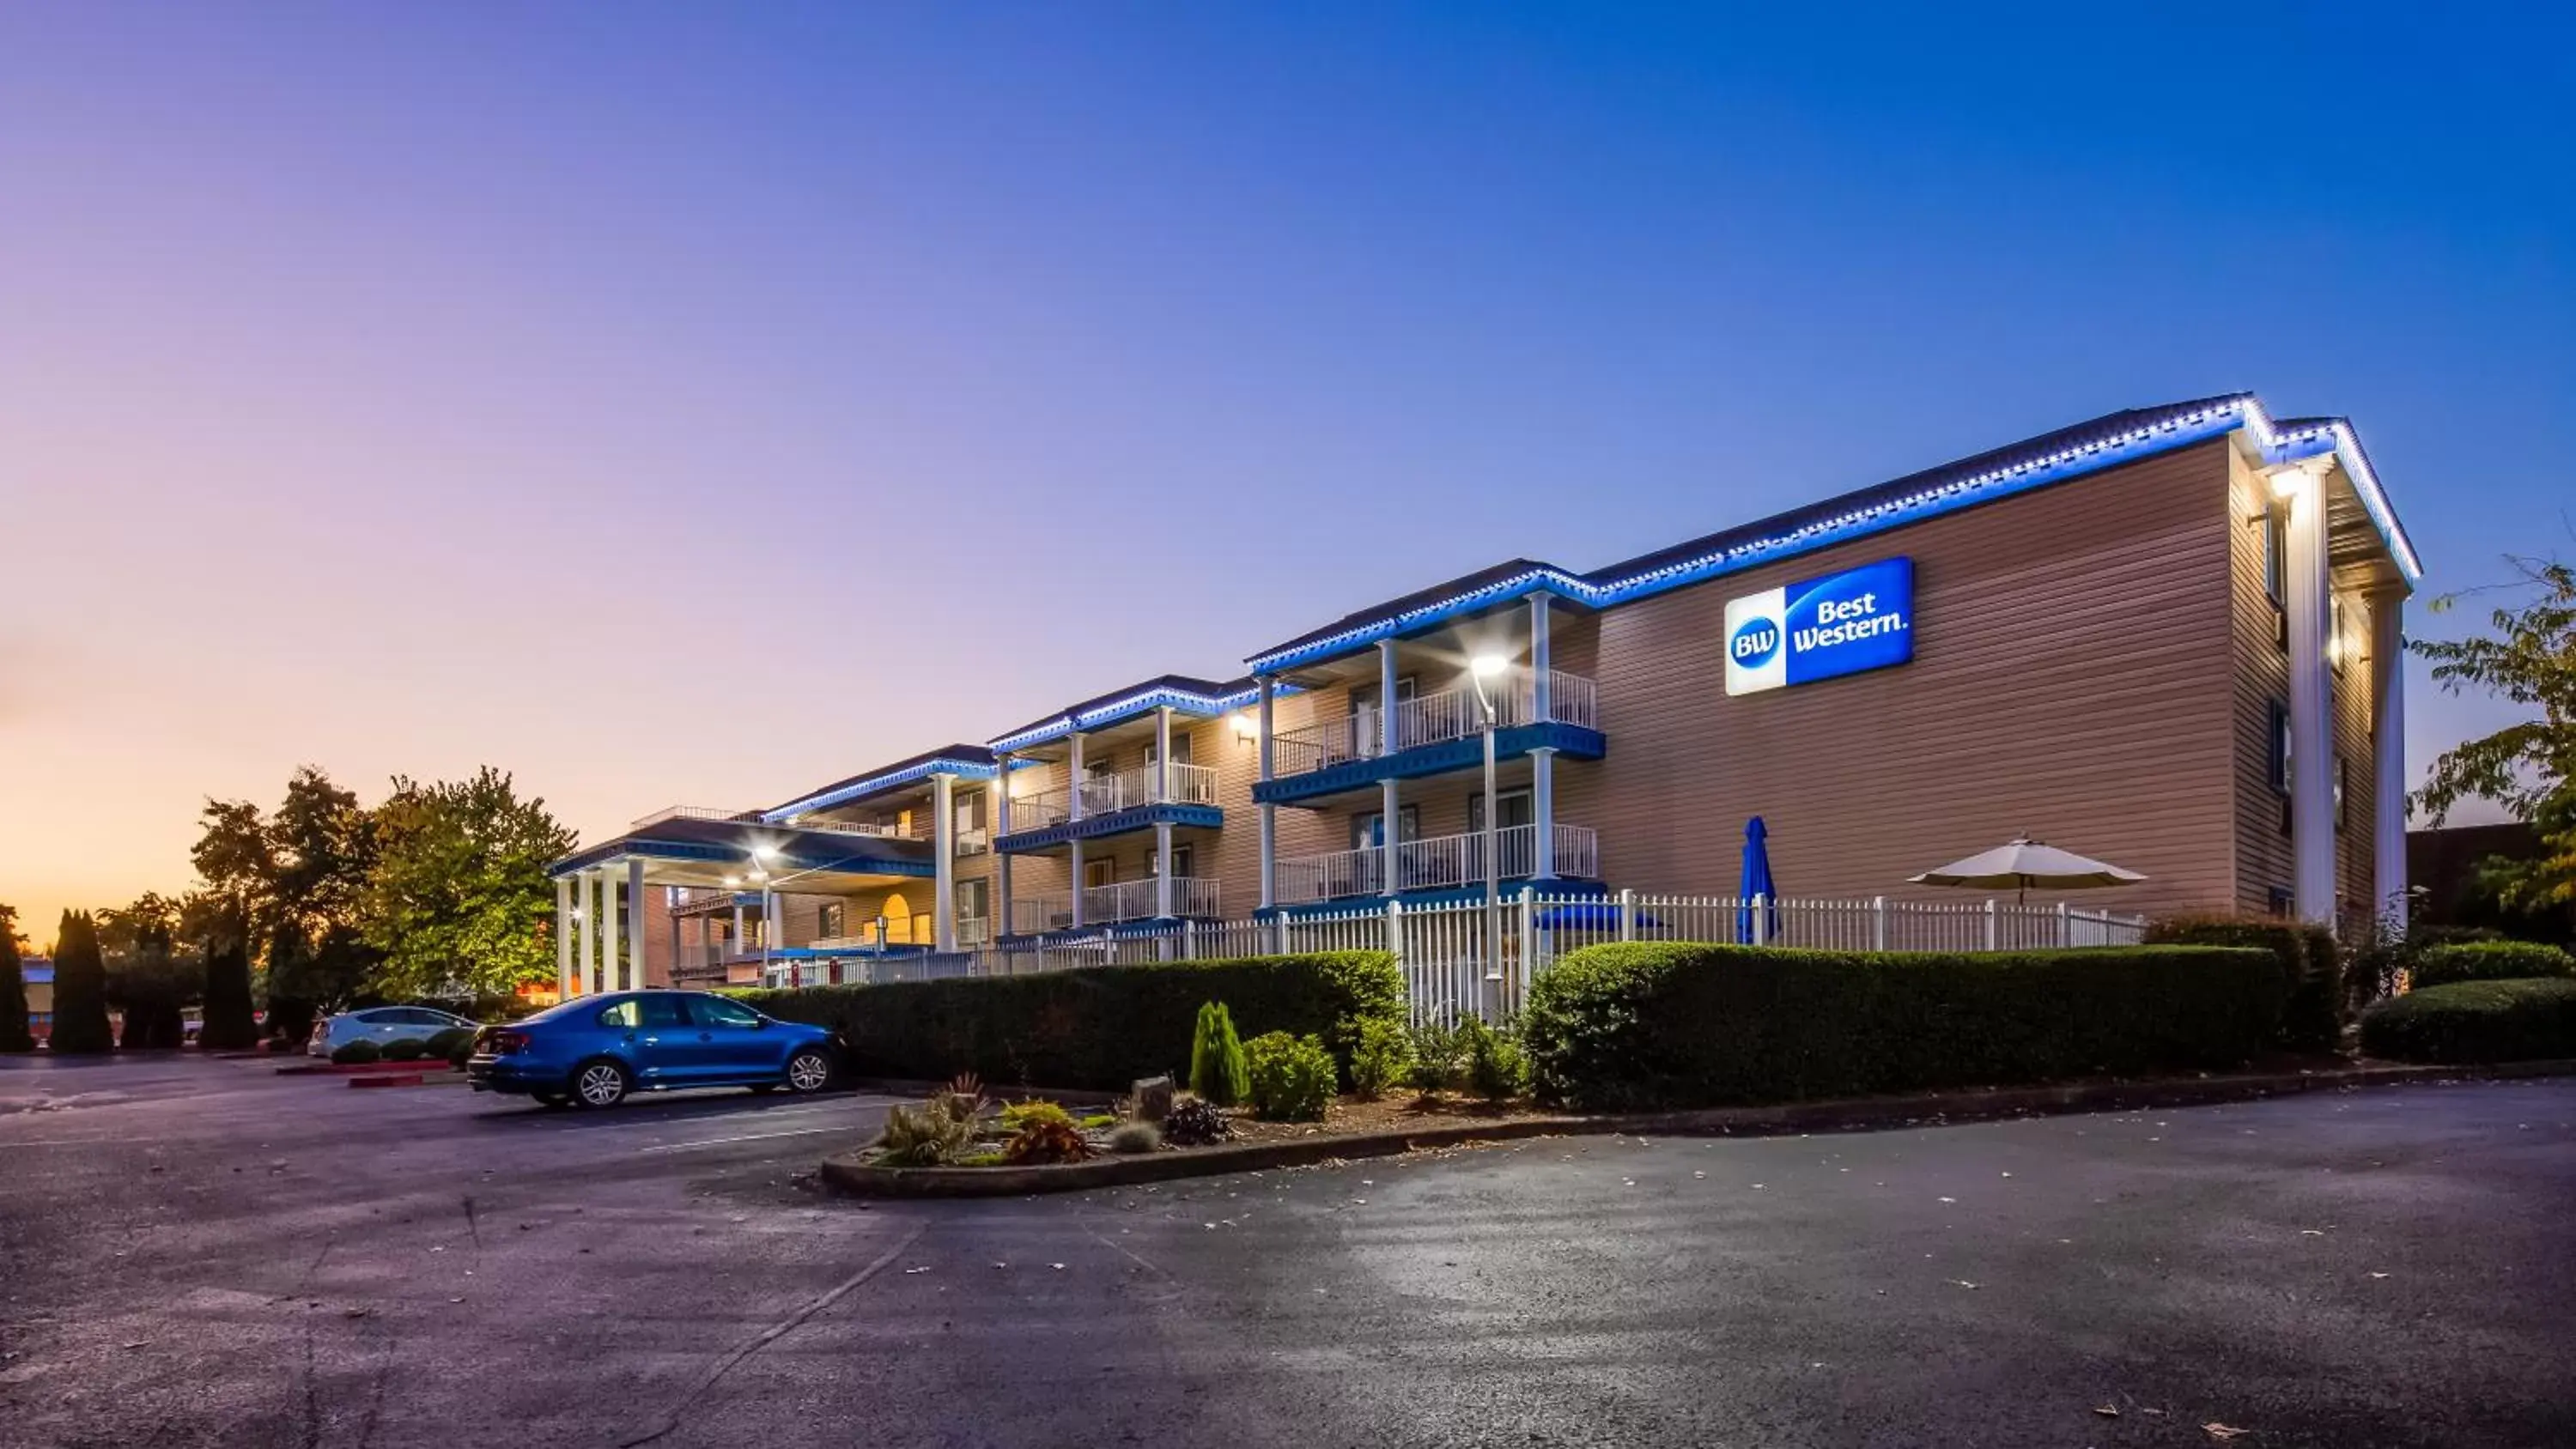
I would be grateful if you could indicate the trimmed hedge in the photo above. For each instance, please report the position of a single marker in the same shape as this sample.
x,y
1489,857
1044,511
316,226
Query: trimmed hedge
x,y
1102,1028
1673,1024
2489,961
2475,1021
2313,1019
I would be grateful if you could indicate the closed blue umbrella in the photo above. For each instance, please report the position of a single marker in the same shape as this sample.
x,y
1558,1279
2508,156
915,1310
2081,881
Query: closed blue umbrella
x,y
1757,882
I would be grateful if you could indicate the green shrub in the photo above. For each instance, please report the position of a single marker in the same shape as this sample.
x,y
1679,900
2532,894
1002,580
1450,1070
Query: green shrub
x,y
1017,1115
939,1131
1098,1120
1217,1065
2475,1021
1497,1067
1103,1028
1674,1024
406,1049
1135,1138
446,1043
1381,1055
1195,1122
2312,1021
2489,961
1437,1056
357,1053
1292,1077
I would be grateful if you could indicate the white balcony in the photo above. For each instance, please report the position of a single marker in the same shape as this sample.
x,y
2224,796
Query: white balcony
x,y
1108,905
1433,718
1439,863
1104,794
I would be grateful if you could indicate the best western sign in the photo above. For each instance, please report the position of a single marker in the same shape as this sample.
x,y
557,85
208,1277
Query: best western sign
x,y
1843,623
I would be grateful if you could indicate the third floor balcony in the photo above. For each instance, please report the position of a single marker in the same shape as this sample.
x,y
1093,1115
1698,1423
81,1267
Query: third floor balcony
x,y
1434,734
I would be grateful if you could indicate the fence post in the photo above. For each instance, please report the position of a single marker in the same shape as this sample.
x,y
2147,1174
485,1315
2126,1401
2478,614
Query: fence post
x,y
1994,923
1395,929
1761,918
1878,923
1189,939
2065,925
1528,970
1627,914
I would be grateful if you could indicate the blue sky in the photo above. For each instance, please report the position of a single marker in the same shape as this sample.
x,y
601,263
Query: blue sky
x,y
700,403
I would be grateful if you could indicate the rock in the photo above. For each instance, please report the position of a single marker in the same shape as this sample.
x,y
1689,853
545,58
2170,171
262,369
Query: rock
x,y
1153,1098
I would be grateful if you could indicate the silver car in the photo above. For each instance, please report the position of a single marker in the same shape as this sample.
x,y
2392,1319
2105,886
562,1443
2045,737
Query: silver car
x,y
381,1024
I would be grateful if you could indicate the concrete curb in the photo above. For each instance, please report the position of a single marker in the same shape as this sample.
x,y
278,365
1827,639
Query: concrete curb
x,y
844,1173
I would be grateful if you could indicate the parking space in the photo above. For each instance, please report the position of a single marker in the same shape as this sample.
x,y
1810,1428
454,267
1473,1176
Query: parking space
x,y
197,1252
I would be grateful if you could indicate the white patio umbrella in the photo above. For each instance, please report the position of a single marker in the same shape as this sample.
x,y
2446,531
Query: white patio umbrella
x,y
2024,863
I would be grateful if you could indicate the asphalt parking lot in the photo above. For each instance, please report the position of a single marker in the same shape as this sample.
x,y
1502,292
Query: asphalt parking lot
x,y
202,1252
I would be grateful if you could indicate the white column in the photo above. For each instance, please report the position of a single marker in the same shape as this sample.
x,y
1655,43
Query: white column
x,y
1163,755
1073,873
943,847
1541,692
635,932
1073,775
738,942
1163,869
1002,924
2312,832
773,917
1542,813
1386,696
2388,756
607,930
563,937
1390,833
1269,813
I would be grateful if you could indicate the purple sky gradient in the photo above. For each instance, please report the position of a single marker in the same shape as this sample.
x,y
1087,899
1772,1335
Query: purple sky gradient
x,y
691,403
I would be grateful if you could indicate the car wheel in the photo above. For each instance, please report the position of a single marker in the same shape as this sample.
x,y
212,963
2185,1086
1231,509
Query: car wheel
x,y
599,1083
808,1072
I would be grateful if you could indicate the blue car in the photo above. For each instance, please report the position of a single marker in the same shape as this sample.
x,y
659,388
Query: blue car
x,y
594,1050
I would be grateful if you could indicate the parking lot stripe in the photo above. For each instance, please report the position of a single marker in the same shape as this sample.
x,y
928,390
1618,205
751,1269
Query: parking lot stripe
x,y
746,1137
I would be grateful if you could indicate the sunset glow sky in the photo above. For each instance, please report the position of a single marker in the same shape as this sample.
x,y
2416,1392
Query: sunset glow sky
x,y
702,403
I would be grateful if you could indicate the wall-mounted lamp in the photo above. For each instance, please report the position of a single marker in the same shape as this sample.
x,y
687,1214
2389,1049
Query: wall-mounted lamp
x,y
1247,725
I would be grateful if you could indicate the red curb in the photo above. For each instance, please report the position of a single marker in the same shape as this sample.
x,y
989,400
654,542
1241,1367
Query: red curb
x,y
388,1079
359,1069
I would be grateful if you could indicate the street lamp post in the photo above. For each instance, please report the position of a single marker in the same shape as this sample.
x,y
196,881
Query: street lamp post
x,y
1483,667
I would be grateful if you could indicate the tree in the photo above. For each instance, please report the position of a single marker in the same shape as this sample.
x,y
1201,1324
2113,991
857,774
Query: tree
x,y
14,1036
148,978
2528,767
80,989
234,857
232,1023
458,900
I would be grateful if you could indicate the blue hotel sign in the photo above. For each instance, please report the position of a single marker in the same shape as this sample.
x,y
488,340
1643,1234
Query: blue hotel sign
x,y
1843,623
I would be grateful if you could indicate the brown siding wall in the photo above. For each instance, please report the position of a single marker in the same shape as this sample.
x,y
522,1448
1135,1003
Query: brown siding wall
x,y
2069,679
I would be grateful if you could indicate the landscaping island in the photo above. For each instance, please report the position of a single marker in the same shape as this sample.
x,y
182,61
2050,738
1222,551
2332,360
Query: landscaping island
x,y
1661,1037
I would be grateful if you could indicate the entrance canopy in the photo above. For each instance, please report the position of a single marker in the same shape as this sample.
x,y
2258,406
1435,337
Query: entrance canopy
x,y
705,851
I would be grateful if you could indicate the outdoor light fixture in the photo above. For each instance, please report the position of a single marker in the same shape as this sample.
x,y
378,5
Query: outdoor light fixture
x,y
1246,727
1487,666
731,881
764,852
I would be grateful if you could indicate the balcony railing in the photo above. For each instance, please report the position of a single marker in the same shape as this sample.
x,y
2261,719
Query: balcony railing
x,y
1439,863
1432,718
685,812
1122,790
1134,900
1103,905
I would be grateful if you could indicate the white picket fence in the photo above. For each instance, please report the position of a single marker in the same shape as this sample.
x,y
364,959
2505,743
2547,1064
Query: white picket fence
x,y
1458,957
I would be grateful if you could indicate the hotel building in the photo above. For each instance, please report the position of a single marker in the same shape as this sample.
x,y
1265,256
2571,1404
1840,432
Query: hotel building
x,y
2169,638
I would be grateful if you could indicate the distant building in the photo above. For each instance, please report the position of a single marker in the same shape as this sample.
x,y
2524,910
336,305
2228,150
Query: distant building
x,y
38,972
